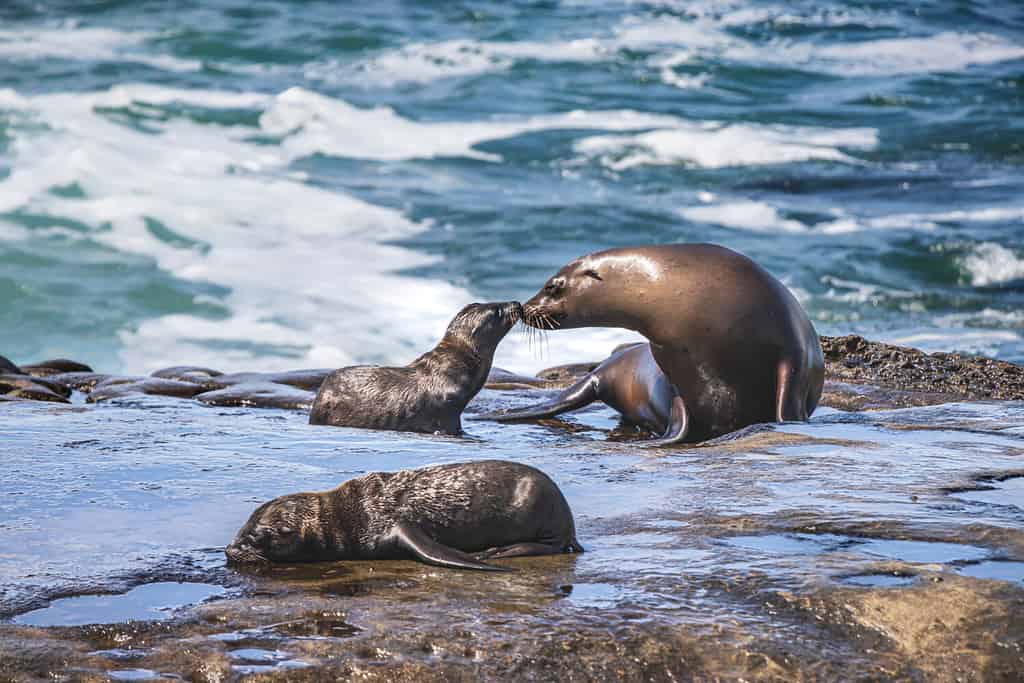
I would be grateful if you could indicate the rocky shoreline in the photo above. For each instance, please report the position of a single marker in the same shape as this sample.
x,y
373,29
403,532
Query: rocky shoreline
x,y
860,375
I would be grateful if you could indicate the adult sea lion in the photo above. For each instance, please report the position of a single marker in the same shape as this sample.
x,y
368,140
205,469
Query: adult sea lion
x,y
736,346
429,394
447,515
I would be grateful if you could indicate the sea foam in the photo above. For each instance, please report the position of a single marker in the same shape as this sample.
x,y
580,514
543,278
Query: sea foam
x,y
310,279
716,145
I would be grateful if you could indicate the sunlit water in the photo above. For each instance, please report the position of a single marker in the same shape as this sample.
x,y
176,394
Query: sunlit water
x,y
106,497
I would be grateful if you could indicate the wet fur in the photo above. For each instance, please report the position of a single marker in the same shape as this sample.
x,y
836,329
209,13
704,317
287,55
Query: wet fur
x,y
471,507
429,394
737,347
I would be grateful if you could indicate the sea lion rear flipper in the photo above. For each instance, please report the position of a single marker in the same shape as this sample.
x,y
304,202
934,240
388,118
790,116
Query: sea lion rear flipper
x,y
678,425
581,394
790,403
522,550
412,539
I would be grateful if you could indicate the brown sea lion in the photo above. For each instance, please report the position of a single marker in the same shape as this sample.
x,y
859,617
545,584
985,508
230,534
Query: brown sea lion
x,y
736,345
429,394
447,515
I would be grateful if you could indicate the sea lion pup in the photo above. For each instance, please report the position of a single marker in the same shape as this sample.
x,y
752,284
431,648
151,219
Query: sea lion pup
x,y
429,394
447,515
736,346
629,381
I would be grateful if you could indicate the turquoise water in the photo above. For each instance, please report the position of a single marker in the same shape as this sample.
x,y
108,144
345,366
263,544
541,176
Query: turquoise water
x,y
297,184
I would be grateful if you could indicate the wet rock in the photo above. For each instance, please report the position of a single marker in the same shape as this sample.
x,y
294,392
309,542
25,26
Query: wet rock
x,y
55,366
12,382
9,368
502,379
955,629
307,380
561,376
79,381
122,387
853,359
856,397
187,373
32,388
259,395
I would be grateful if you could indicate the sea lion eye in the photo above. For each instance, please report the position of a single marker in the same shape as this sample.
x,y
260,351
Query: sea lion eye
x,y
593,274
554,285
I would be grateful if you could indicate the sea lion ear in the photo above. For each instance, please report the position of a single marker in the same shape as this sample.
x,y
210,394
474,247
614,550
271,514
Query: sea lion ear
x,y
416,542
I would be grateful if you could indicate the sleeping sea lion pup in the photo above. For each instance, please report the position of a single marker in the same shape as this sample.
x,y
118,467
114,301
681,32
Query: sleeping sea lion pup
x,y
736,346
429,394
447,515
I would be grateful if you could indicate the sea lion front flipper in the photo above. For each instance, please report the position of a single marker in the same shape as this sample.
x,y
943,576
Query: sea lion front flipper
x,y
581,394
790,403
412,539
678,425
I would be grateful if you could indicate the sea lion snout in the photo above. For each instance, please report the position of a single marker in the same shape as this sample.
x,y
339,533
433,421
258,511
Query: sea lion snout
x,y
242,551
512,312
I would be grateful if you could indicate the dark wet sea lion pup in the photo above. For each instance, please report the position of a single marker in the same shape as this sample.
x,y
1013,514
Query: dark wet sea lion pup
x,y
736,346
447,515
429,394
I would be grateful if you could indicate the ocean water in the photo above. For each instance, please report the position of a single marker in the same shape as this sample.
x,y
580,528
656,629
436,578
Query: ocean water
x,y
298,184
283,185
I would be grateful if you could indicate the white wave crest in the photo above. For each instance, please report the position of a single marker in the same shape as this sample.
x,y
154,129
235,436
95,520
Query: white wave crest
x,y
716,145
991,264
426,62
947,51
313,123
744,215
86,43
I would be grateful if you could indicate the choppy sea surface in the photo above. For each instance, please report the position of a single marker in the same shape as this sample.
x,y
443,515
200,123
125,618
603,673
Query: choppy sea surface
x,y
290,184
279,185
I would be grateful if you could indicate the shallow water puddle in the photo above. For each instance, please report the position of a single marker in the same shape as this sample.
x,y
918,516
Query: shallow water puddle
x,y
791,544
601,595
254,660
878,580
922,551
905,551
1007,492
149,602
136,675
995,569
